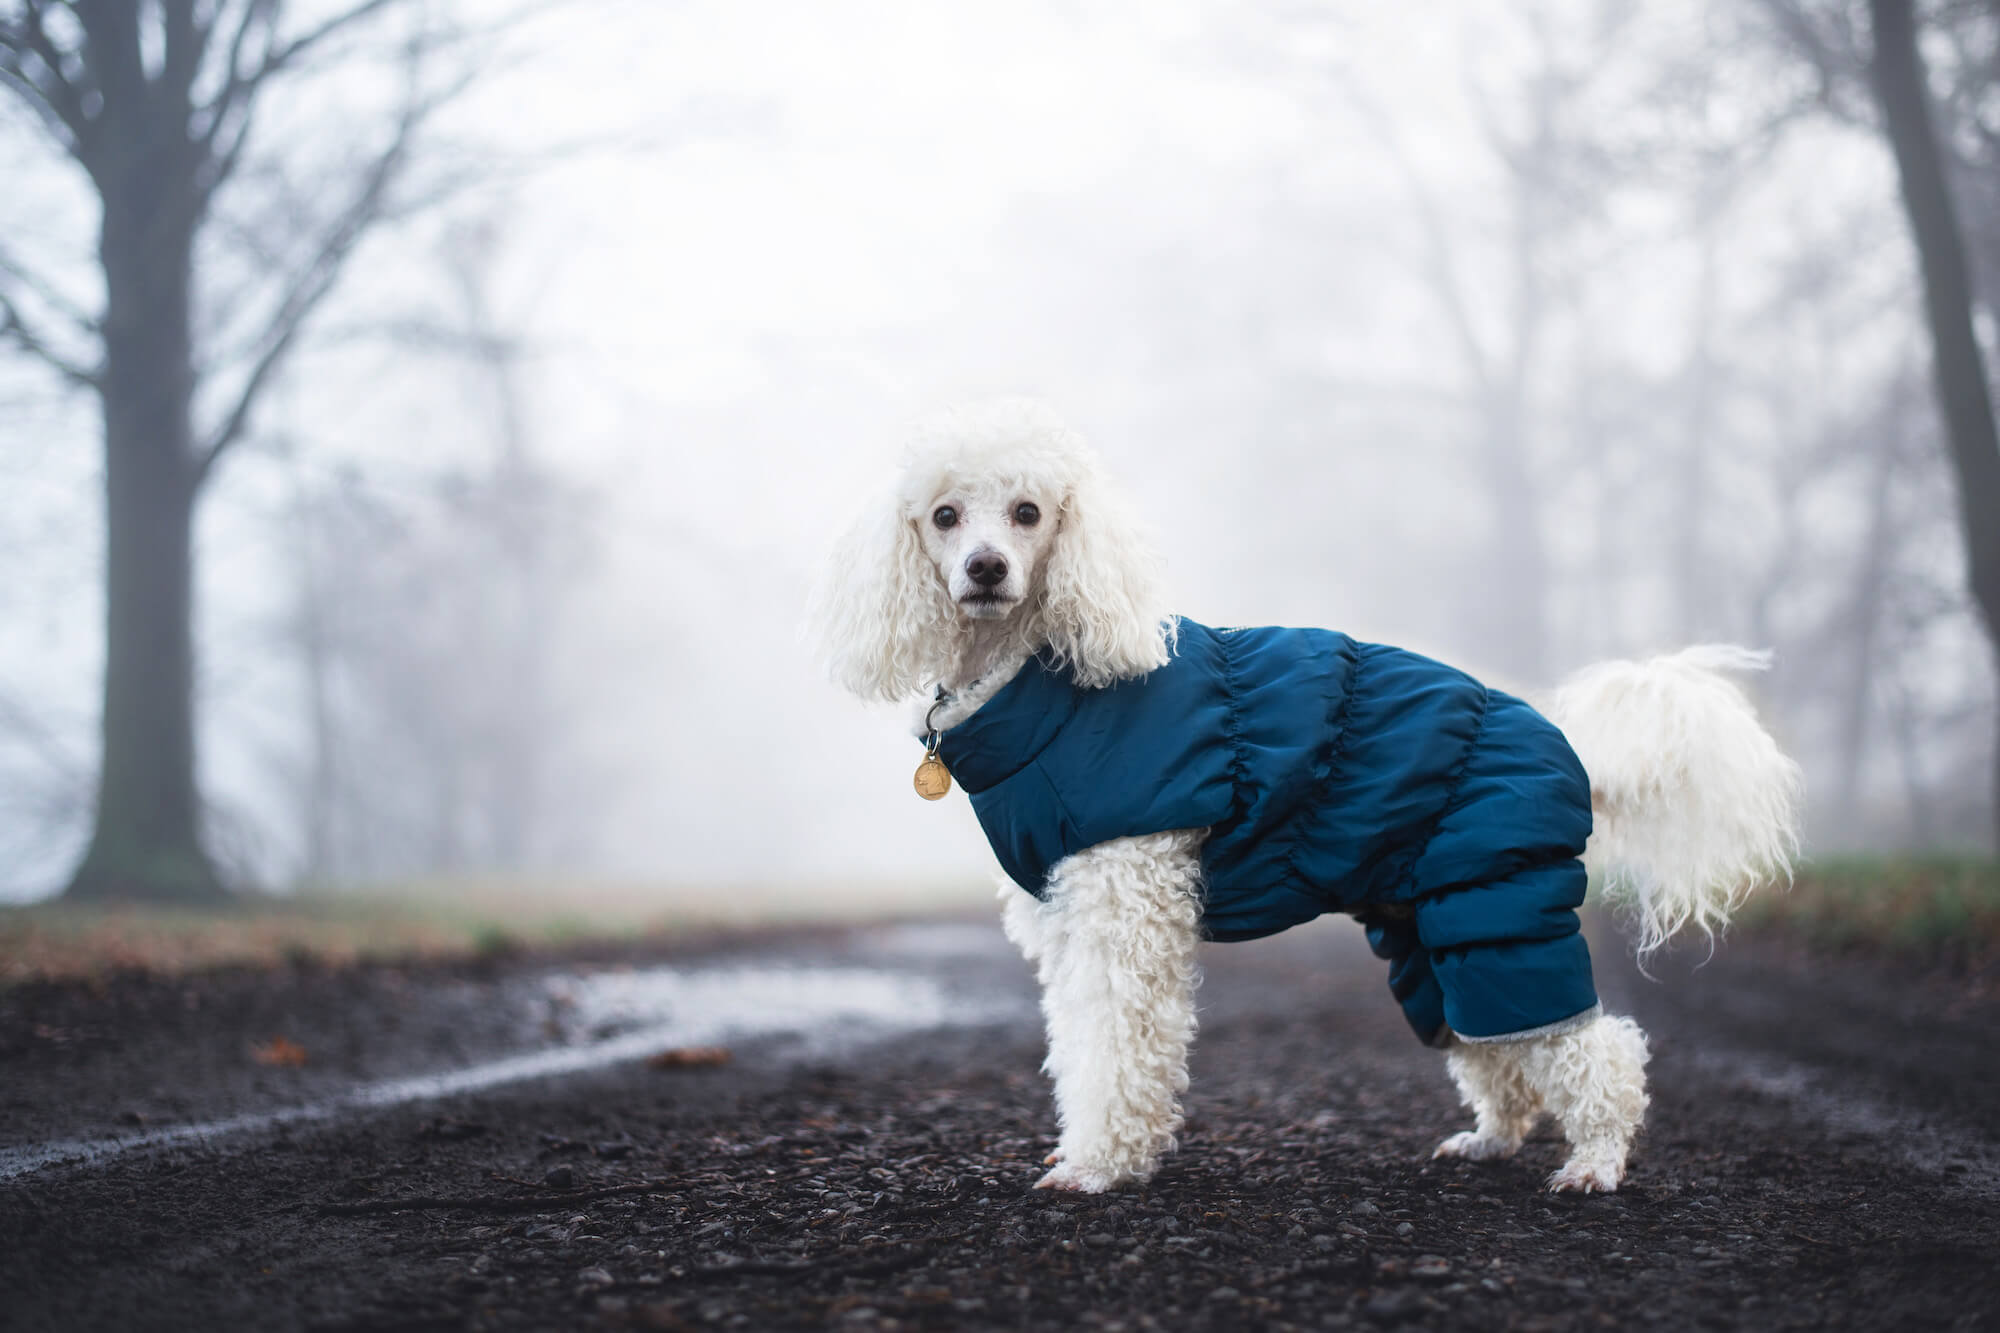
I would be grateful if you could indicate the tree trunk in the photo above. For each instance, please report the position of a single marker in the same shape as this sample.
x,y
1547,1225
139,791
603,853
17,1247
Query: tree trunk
x,y
1865,619
147,841
1960,371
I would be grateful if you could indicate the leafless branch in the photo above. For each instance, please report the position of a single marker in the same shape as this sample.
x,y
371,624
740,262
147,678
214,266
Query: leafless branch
x,y
186,44
227,103
241,85
319,274
32,66
231,113
46,294
16,329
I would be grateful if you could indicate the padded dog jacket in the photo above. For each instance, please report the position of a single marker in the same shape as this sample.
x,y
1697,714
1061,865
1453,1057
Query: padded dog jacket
x,y
1333,776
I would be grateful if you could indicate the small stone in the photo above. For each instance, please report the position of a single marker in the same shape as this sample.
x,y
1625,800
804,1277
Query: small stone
x,y
560,1178
1100,1239
1365,1209
1390,1307
1225,1294
1431,1268
594,1277
1405,1230
1325,1243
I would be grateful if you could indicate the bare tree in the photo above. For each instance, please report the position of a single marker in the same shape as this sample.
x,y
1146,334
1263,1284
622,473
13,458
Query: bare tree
x,y
1506,296
158,103
424,626
1500,369
1958,365
427,619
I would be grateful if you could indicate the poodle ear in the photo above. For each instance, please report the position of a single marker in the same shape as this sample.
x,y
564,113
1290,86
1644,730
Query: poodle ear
x,y
1102,605
880,616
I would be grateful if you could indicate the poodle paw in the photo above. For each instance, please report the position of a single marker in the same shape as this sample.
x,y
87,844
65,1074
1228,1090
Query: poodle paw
x,y
1586,1177
1073,1178
1475,1147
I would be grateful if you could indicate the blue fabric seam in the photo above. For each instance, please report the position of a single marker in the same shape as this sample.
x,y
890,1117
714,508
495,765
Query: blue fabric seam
x,y
1041,895
1340,724
1239,763
1452,802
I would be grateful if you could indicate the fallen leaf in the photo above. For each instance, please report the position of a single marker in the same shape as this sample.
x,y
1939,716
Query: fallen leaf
x,y
689,1057
280,1052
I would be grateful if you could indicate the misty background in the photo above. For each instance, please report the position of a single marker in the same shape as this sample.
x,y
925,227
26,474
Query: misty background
x,y
1522,334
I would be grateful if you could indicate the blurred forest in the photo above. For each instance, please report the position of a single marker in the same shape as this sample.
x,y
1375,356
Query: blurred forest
x,y
527,374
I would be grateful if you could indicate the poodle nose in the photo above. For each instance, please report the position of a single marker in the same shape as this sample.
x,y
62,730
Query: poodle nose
x,y
987,568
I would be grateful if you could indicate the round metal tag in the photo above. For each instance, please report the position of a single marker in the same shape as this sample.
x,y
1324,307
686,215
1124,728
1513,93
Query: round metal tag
x,y
933,779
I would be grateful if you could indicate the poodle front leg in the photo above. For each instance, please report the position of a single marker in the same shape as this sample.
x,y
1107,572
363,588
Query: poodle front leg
x,y
1117,964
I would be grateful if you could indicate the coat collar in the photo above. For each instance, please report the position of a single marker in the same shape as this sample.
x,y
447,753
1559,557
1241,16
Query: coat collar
x,y
1007,731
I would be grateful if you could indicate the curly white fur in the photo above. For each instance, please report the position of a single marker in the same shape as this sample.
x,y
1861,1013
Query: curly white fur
x,y
1114,943
1593,1080
1696,804
884,617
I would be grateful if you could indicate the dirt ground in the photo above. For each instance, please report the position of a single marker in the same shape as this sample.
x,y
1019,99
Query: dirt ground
x,y
1823,1151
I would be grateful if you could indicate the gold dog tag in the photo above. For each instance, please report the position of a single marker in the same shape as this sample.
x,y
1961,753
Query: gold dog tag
x,y
933,779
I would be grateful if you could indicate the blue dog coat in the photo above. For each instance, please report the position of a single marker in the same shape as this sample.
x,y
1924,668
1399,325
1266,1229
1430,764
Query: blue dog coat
x,y
1333,776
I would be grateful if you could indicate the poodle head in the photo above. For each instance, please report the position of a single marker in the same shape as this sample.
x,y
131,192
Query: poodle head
x,y
1001,522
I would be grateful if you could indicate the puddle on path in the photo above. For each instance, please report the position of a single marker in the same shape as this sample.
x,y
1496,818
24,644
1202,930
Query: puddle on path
x,y
1964,1157
637,1014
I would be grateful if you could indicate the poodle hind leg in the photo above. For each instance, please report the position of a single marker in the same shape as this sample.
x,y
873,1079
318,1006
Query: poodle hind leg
x,y
1593,1080
1117,965
1504,1105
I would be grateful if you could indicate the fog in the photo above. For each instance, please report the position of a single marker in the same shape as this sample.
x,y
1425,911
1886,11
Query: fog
x,y
507,577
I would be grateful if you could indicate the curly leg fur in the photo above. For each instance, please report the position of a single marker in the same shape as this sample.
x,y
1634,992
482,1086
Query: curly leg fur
x,y
1504,1106
1593,1080
1114,943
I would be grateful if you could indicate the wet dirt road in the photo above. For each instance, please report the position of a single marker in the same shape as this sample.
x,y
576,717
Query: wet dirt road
x,y
485,1147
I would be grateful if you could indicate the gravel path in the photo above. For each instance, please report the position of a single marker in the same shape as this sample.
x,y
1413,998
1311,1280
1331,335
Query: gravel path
x,y
1823,1151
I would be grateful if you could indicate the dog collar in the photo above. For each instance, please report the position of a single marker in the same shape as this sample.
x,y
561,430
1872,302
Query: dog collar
x,y
933,779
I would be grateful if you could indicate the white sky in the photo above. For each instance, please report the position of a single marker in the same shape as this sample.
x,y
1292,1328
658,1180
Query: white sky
x,y
775,233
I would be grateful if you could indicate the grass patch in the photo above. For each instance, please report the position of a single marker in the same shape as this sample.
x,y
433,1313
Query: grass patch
x,y
436,920
1938,910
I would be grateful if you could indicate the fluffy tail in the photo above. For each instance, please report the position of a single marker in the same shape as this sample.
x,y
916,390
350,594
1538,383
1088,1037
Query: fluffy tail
x,y
1695,804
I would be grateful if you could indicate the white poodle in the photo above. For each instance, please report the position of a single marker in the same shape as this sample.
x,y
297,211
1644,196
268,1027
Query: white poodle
x,y
1150,782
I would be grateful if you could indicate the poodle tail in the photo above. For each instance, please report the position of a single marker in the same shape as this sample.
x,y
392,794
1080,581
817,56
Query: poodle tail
x,y
1695,804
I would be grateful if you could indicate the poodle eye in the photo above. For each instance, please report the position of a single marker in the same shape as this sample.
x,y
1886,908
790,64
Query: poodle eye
x,y
944,516
1027,515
